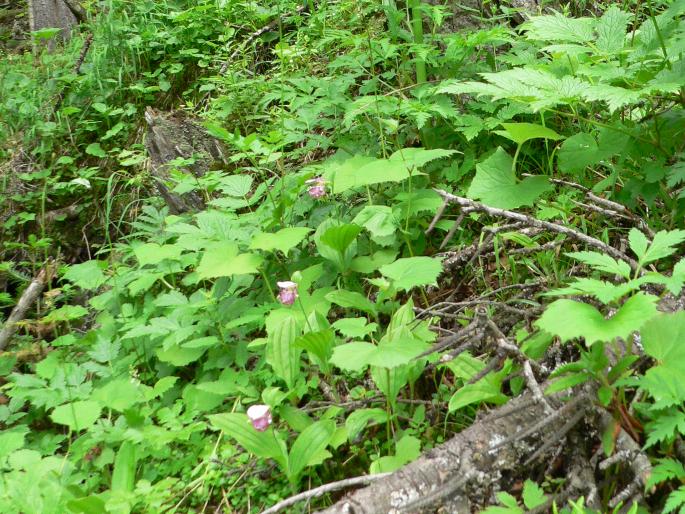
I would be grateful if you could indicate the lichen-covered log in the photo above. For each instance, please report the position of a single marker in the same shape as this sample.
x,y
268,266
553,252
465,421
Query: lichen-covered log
x,y
462,475
173,135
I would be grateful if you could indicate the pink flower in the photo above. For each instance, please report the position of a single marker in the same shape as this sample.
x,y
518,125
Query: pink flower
x,y
288,292
260,417
317,189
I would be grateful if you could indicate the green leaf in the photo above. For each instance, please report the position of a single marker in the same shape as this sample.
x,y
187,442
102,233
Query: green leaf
x,y
237,186
380,221
357,421
351,300
124,471
281,352
87,275
353,356
559,27
611,30
354,327
308,444
519,133
496,184
12,439
411,272
261,444
566,382
283,240
359,171
87,505
533,495
179,356
340,237
95,150
662,245
664,470
663,338
665,427
603,262
78,415
578,152
222,260
319,344
153,253
590,324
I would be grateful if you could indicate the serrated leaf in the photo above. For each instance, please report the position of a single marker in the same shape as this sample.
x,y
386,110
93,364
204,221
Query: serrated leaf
x,y
283,240
153,253
79,415
411,272
495,184
603,262
380,221
558,27
665,469
665,427
87,275
611,30
532,495
519,133
354,327
662,245
590,324
638,242
222,260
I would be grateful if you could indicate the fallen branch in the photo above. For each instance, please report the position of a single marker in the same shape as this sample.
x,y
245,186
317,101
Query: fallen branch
x,y
326,488
28,298
472,205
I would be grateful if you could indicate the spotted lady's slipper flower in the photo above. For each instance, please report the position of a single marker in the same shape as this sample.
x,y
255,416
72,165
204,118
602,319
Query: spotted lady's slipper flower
x,y
317,187
260,417
288,292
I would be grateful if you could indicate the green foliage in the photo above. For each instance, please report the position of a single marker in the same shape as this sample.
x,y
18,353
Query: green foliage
x,y
165,327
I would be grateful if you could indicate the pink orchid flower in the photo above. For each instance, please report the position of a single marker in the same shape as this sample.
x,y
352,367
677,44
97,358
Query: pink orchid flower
x,y
288,292
260,417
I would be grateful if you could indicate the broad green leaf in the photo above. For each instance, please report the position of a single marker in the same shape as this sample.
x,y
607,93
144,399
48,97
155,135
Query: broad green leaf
x,y
319,344
566,382
578,152
87,505
390,381
400,166
87,275
663,338
12,439
407,449
391,354
381,223
590,324
237,186
261,444
124,471
559,27
153,253
222,260
78,415
353,356
519,133
281,352
357,420
283,240
178,355
495,184
351,300
119,394
308,444
354,327
611,30
666,469
638,242
602,262
482,391
341,236
95,150
411,272
65,313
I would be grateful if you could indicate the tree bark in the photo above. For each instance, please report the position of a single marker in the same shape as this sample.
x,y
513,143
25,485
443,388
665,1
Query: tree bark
x,y
52,14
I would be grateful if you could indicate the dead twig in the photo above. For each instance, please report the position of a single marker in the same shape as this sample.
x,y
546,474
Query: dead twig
x,y
533,222
326,488
28,298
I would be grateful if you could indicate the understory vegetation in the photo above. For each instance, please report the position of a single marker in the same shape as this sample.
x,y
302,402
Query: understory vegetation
x,y
406,226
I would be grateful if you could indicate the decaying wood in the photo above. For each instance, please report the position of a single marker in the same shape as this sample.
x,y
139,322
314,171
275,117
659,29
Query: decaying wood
x,y
52,14
173,135
28,298
463,474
